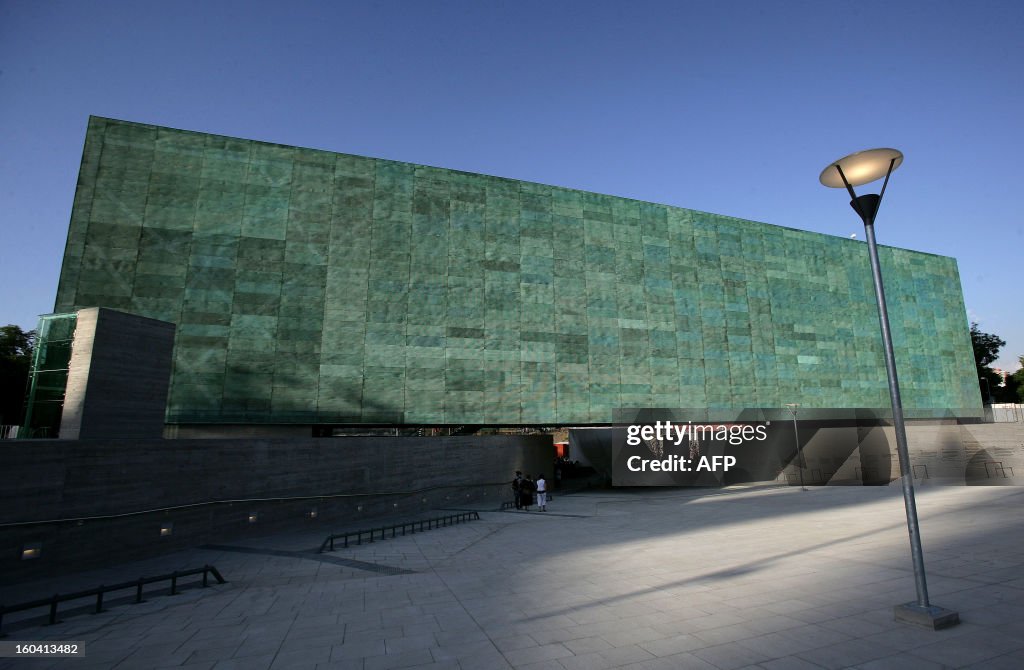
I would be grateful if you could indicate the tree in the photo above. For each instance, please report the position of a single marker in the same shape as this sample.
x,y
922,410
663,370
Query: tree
x,y
986,346
986,350
16,348
1018,380
1011,389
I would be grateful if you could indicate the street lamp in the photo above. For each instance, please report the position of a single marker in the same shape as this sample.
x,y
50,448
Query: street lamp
x,y
857,169
988,391
793,407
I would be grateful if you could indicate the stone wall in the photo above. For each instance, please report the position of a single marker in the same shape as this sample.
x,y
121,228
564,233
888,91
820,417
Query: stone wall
x,y
111,496
941,452
118,376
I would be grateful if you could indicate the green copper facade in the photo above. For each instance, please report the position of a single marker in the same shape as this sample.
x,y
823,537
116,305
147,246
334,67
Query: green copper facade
x,y
310,286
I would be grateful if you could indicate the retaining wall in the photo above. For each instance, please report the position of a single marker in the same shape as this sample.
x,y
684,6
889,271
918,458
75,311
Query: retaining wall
x,y
113,496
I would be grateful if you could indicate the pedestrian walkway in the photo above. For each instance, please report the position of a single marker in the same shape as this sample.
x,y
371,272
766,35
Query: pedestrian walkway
x,y
746,577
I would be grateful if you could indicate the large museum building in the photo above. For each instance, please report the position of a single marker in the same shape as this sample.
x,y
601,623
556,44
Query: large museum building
x,y
312,289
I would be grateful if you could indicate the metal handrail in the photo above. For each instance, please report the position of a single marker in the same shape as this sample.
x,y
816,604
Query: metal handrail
x,y
435,522
99,592
235,501
998,468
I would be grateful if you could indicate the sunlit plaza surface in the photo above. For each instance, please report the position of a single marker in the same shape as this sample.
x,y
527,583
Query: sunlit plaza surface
x,y
755,576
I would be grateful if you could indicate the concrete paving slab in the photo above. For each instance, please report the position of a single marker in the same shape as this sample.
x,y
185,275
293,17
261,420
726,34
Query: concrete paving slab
x,y
759,577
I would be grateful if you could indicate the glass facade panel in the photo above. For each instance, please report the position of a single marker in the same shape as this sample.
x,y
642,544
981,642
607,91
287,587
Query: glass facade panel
x,y
48,378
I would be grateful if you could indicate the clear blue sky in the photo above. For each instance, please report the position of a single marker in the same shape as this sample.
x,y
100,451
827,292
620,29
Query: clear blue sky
x,y
731,107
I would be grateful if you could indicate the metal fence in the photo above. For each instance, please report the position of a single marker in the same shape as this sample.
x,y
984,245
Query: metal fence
x,y
1007,413
137,585
411,527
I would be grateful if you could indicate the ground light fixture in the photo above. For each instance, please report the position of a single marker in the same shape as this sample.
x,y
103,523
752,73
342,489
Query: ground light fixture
x,y
857,169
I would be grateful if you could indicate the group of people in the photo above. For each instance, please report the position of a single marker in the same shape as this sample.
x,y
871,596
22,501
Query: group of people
x,y
524,488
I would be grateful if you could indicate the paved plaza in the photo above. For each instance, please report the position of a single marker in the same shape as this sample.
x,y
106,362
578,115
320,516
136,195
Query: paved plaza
x,y
745,577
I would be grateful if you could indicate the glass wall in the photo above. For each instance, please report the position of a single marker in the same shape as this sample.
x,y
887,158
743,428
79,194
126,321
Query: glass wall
x,y
48,378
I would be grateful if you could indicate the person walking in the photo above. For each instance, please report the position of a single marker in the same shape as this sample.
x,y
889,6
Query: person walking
x,y
542,493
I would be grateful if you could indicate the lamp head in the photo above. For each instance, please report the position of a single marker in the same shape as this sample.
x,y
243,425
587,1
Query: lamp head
x,y
861,167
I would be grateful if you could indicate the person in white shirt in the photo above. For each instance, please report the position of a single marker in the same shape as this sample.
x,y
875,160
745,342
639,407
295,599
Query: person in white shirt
x,y
542,493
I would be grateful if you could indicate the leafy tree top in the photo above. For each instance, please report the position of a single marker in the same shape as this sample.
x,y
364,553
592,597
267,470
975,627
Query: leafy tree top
x,y
986,346
16,344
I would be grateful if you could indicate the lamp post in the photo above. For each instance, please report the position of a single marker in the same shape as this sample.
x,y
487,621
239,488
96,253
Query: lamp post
x,y
857,169
793,407
988,391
